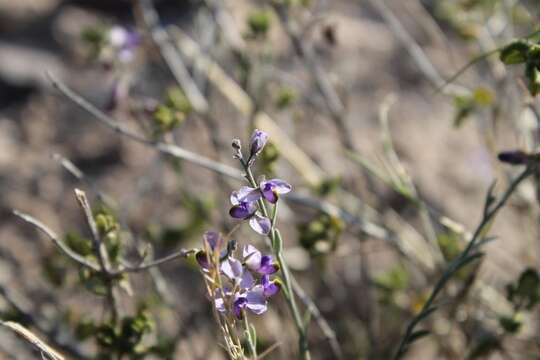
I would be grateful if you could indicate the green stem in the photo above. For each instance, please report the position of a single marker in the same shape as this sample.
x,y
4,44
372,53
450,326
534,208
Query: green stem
x,y
251,343
277,241
457,263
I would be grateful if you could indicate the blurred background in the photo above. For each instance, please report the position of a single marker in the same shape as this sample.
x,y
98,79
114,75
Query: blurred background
x,y
389,171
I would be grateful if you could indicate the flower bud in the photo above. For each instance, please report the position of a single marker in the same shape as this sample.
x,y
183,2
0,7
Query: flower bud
x,y
258,140
515,157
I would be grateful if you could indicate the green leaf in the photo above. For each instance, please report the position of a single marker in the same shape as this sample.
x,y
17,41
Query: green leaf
x,y
515,52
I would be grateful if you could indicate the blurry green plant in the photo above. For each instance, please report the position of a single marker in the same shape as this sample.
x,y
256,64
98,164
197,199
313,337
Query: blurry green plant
x,y
465,105
285,98
268,159
320,235
172,112
258,23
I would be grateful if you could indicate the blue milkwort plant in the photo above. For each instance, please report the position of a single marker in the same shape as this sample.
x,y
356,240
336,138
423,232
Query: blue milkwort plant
x,y
237,285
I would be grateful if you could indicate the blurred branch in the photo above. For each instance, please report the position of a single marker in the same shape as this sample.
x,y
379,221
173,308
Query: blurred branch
x,y
101,253
64,248
165,148
45,350
170,55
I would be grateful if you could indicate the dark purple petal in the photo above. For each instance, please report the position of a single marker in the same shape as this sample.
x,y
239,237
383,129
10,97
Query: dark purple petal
x,y
258,140
213,239
232,268
269,194
270,288
243,210
238,305
256,301
202,259
252,257
513,157
260,224
267,266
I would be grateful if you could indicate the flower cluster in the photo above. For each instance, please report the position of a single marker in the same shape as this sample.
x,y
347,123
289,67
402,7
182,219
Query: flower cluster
x,y
124,42
245,200
249,285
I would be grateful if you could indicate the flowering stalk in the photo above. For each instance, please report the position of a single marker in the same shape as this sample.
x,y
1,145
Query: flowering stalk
x,y
269,190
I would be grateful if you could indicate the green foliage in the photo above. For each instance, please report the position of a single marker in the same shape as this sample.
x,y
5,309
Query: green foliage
x,y
259,22
79,244
95,37
172,112
285,98
124,339
320,235
109,231
515,52
484,346
525,52
525,293
511,324
395,279
465,105
328,186
268,158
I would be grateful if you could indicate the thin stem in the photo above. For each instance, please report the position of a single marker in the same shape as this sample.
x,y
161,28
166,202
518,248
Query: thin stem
x,y
250,340
460,261
275,238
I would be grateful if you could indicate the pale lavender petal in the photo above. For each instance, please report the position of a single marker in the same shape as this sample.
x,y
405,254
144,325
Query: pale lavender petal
x,y
260,224
252,257
220,304
232,268
237,196
267,265
118,36
256,301
247,280
280,186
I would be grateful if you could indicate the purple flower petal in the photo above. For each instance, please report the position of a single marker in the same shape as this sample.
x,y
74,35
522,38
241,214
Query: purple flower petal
x,y
258,140
252,257
256,301
202,259
279,186
232,268
267,266
237,197
270,288
220,304
247,280
243,210
238,305
213,239
269,194
260,224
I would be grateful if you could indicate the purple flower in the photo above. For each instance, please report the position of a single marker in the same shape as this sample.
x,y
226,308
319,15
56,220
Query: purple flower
x,y
245,208
271,189
258,140
258,263
124,41
212,240
270,287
